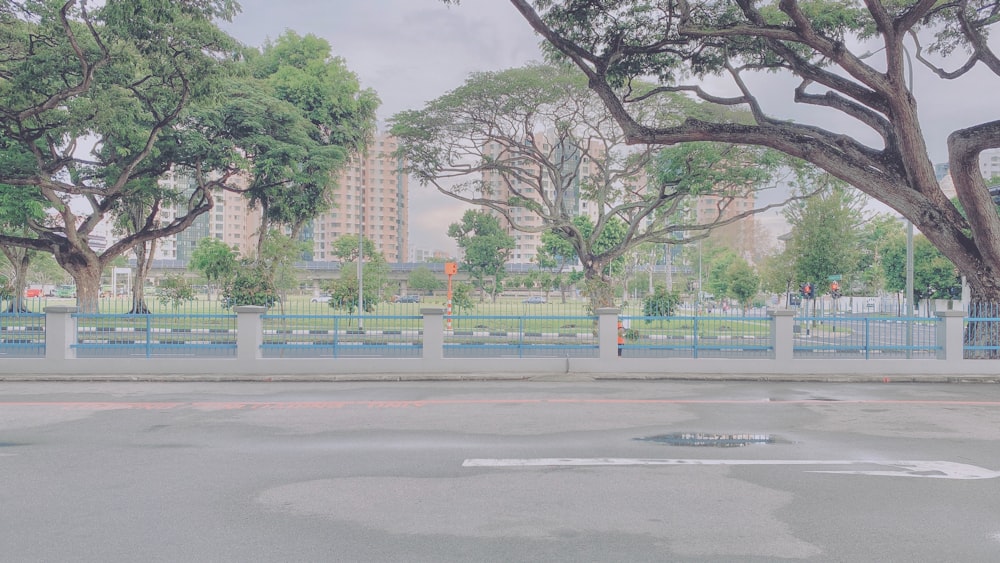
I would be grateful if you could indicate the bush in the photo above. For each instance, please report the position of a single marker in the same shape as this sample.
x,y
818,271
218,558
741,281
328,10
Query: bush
x,y
661,303
175,290
251,285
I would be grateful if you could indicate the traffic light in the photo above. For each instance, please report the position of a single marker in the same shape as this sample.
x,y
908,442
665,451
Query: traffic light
x,y
834,289
807,290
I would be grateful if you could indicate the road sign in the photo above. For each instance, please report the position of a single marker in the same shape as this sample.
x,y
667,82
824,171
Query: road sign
x,y
835,277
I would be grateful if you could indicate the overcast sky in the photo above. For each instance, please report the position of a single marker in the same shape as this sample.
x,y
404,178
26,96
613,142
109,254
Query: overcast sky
x,y
412,51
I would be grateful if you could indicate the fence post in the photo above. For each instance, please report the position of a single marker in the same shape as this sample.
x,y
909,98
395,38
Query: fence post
x,y
60,332
782,333
433,348
950,337
249,332
607,332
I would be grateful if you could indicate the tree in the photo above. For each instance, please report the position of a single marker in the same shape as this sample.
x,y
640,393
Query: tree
x,y
850,59
876,235
423,279
374,275
486,247
18,206
744,283
155,87
338,120
825,237
117,77
661,303
344,290
934,276
346,247
176,290
214,260
538,149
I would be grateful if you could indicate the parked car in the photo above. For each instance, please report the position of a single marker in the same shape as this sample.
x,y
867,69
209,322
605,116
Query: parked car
x,y
33,292
536,299
408,299
321,298
66,291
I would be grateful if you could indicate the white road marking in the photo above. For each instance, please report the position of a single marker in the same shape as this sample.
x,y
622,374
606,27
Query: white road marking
x,y
925,469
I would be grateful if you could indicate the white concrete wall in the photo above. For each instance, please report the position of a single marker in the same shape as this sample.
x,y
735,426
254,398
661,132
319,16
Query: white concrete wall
x,y
60,360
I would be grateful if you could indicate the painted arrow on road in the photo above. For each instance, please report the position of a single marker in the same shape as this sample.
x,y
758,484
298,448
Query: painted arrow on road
x,y
924,469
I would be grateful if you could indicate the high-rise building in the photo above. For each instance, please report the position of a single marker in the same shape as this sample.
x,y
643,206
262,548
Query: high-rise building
x,y
576,169
230,220
371,196
370,189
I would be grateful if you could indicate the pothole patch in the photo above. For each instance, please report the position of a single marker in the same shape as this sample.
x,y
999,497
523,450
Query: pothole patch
x,y
700,439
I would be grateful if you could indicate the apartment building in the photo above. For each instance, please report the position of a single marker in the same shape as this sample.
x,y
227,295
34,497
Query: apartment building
x,y
370,195
576,169
230,220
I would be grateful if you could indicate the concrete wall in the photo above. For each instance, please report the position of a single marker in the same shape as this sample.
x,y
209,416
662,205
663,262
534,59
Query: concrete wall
x,y
60,359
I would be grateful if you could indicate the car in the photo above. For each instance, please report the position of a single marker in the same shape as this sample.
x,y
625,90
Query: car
x,y
33,292
408,299
66,291
535,299
321,298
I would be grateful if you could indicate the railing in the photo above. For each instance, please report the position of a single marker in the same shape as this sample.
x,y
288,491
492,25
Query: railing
x,y
115,335
489,336
22,335
250,340
870,337
698,337
340,336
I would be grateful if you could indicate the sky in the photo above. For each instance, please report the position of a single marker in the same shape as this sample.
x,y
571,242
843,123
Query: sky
x,y
410,52
413,51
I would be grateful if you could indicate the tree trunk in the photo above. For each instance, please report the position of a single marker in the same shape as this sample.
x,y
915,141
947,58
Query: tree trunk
x,y
598,287
88,285
143,262
19,259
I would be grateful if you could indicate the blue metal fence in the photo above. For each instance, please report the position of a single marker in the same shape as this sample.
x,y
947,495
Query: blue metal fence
x,y
101,335
492,336
868,337
697,337
22,335
982,331
533,330
310,336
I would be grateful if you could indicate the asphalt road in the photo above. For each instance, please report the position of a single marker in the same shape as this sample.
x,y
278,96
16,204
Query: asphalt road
x,y
519,471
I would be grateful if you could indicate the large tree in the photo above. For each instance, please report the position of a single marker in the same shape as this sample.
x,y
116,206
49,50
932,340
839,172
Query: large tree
x,y
339,120
538,149
848,58
115,78
826,234
486,247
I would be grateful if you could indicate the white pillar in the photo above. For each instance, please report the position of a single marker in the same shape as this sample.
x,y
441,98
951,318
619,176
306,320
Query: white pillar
x,y
950,335
249,332
433,347
607,332
60,332
783,334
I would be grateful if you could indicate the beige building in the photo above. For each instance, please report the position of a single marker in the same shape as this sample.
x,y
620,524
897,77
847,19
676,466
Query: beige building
x,y
370,189
371,195
527,243
230,221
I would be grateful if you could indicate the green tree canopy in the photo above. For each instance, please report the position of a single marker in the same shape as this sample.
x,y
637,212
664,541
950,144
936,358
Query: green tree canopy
x,y
486,247
214,260
852,60
539,149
